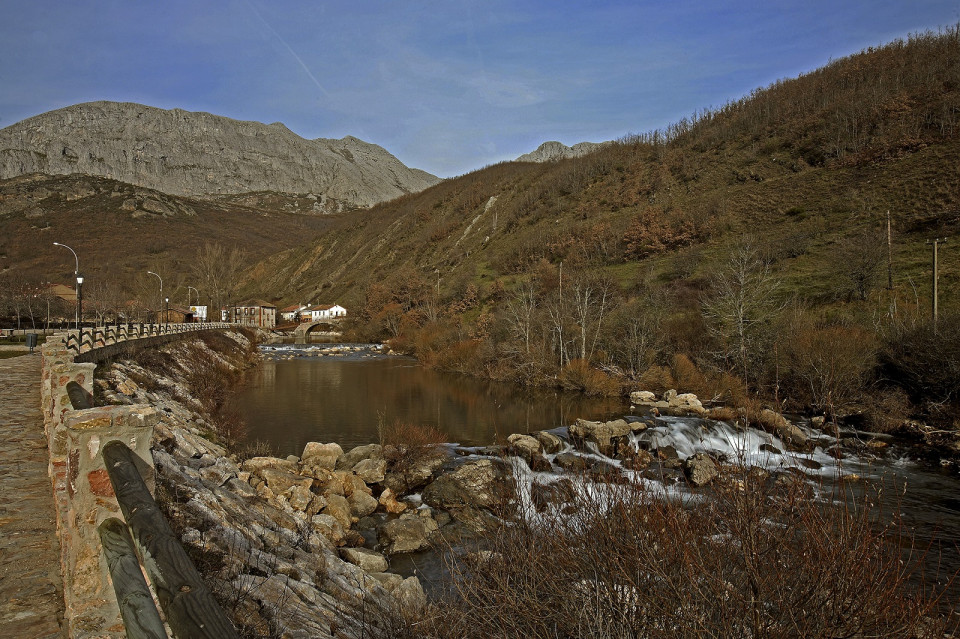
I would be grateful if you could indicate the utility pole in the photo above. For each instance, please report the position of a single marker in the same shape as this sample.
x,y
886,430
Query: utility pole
x,y
889,254
935,242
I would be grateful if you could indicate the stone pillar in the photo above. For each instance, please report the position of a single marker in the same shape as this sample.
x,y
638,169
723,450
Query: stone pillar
x,y
88,592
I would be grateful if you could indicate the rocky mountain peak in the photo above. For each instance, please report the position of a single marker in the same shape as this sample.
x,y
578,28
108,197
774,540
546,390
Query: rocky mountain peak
x,y
553,150
197,154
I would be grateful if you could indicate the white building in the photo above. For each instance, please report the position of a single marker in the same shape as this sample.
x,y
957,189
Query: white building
x,y
325,312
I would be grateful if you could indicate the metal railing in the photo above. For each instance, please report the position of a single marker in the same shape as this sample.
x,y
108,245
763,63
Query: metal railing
x,y
88,338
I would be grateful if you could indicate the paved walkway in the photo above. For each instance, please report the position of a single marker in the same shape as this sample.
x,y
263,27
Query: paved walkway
x,y
31,589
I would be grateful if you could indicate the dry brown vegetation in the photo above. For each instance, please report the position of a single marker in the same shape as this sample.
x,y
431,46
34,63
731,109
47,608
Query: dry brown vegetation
x,y
754,559
749,241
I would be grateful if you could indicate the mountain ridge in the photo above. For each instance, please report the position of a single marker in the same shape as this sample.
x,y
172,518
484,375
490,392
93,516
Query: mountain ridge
x,y
195,153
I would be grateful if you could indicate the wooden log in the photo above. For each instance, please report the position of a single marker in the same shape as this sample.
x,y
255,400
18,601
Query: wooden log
x,y
140,617
79,398
189,605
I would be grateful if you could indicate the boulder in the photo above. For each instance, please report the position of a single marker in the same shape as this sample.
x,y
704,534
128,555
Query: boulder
x,y
408,475
549,442
330,527
389,502
602,434
368,560
411,598
322,455
355,455
279,481
525,445
409,533
642,397
700,469
299,497
779,425
571,462
371,471
361,504
477,483
256,464
389,580
339,508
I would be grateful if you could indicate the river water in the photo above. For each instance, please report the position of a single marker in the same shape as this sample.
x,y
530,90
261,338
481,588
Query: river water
x,y
332,393
339,394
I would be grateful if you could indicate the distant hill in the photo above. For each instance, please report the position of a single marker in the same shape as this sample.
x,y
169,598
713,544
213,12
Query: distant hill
x,y
120,230
802,165
198,154
550,151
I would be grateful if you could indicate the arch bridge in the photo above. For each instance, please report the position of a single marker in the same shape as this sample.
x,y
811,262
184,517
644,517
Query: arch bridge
x,y
304,329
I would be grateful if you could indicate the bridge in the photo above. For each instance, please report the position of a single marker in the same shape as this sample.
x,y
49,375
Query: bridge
x,y
304,329
55,580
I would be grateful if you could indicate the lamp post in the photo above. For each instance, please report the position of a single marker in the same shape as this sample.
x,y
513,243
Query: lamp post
x,y
166,310
161,285
76,274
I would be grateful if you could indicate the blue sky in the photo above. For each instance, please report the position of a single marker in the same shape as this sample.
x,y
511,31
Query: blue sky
x,y
447,86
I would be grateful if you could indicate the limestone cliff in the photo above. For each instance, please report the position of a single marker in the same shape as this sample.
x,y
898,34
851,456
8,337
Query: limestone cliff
x,y
186,153
550,151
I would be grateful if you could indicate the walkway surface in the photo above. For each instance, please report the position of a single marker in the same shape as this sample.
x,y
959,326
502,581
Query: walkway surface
x,y
31,589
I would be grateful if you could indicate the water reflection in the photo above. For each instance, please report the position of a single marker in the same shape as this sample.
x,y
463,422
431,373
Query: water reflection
x,y
288,403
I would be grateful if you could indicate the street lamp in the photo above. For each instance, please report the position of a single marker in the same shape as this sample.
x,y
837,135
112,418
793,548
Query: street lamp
x,y
166,310
76,273
161,283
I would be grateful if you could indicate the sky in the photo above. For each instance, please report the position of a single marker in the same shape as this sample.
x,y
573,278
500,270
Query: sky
x,y
447,86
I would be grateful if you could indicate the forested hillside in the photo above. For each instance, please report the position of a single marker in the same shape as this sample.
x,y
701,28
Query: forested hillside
x,y
741,253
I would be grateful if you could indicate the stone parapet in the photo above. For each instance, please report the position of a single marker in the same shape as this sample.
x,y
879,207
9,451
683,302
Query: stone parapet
x,y
83,493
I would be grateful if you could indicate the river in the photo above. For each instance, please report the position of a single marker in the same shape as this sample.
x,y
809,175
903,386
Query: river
x,y
309,393
330,393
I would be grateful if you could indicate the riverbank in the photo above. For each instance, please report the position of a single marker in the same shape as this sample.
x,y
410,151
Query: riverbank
x,y
272,537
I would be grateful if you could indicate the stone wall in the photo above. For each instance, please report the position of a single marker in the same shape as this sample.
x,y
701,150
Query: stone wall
x,y
82,491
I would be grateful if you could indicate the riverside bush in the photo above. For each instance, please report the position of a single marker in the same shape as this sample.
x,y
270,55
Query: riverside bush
x,y
755,558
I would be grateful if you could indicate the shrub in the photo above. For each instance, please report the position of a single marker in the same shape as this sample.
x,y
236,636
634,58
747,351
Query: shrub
x,y
581,376
752,560
407,446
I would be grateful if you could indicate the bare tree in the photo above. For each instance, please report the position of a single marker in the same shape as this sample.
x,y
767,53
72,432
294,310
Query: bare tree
x,y
219,270
856,263
741,306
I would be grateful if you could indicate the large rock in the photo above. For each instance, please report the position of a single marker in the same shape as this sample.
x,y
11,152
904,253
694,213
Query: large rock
x,y
339,508
602,434
321,455
642,397
409,533
280,481
406,475
700,469
777,424
369,560
389,502
371,471
358,454
361,504
479,483
256,464
549,442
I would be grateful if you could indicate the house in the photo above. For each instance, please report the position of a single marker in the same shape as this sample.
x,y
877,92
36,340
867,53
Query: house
x,y
291,313
254,313
176,315
325,312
